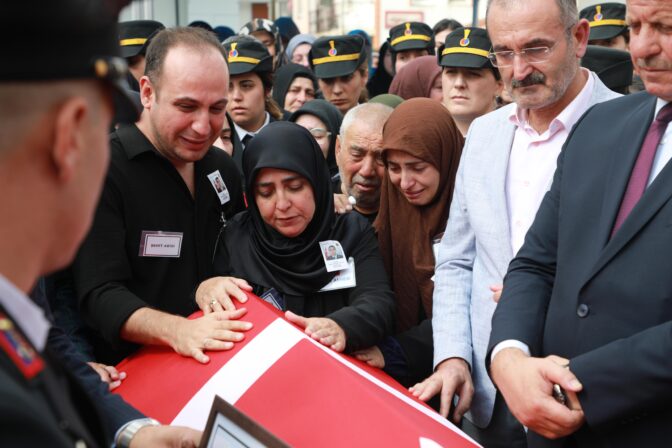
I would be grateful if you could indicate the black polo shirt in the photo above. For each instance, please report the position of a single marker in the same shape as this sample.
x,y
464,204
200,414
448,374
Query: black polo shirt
x,y
143,192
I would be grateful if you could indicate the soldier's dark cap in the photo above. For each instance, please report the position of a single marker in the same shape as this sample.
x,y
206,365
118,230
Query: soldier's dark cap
x,y
246,54
135,35
466,47
607,20
612,66
69,40
333,56
411,36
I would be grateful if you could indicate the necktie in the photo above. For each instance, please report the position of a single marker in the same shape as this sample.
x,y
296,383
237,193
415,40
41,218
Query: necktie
x,y
247,139
642,169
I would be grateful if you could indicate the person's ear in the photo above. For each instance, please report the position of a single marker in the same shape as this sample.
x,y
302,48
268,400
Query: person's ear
x,y
69,137
337,148
147,92
580,37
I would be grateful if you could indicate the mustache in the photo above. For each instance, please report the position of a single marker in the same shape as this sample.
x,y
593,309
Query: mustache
x,y
654,64
368,182
530,80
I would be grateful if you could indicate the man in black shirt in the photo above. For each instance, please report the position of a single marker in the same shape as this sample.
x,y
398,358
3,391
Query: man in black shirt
x,y
161,213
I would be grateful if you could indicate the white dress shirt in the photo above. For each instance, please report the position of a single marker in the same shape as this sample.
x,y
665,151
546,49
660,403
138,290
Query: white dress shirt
x,y
25,313
242,132
533,159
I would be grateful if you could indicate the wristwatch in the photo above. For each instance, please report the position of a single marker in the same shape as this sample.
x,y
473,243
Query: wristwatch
x,y
125,436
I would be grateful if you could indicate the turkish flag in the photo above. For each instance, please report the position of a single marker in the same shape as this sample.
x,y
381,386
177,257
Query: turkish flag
x,y
303,392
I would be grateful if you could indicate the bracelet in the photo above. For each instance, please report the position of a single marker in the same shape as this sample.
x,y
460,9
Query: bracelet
x,y
125,436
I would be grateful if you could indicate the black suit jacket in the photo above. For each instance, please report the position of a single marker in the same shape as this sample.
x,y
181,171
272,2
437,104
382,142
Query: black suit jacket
x,y
604,303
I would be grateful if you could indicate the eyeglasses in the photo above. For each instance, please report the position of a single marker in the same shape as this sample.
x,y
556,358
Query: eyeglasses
x,y
319,132
501,59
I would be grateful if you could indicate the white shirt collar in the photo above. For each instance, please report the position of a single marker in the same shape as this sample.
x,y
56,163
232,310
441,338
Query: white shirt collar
x,y
660,103
25,313
565,119
242,132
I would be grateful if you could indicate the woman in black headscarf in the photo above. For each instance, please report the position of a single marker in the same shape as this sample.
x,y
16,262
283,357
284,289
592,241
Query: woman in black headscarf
x,y
318,115
294,86
382,78
282,246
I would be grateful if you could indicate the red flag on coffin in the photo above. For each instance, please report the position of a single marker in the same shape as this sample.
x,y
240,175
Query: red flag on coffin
x,y
302,392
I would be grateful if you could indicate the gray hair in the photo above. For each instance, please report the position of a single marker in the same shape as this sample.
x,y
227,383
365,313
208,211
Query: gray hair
x,y
569,12
374,114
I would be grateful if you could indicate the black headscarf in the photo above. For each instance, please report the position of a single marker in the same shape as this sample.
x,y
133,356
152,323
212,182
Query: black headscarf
x,y
284,77
332,118
263,256
381,80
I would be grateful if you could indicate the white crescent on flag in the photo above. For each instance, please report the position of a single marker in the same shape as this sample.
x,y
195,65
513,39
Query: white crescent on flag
x,y
304,393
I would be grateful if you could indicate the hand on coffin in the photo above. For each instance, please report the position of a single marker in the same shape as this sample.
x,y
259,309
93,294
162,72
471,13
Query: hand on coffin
x,y
166,437
214,294
372,356
215,331
452,377
108,374
322,329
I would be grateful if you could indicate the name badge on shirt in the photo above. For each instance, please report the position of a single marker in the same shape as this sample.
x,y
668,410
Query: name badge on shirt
x,y
344,279
160,244
219,186
333,255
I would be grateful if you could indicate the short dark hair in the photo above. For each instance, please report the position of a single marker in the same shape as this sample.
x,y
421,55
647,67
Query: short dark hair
x,y
445,24
164,40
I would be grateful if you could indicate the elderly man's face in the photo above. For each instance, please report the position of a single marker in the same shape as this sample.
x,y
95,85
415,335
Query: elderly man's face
x,y
360,162
515,26
651,44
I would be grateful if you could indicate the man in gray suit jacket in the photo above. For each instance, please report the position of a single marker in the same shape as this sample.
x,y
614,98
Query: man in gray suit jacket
x,y
507,166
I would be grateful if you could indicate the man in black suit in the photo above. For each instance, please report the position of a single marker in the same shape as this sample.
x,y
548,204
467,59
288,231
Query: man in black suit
x,y
587,303
59,86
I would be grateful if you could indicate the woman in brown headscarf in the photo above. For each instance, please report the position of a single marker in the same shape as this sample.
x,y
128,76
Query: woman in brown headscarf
x,y
421,149
420,78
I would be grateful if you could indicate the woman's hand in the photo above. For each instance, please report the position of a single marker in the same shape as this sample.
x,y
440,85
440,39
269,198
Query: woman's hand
x,y
108,374
214,294
322,329
372,356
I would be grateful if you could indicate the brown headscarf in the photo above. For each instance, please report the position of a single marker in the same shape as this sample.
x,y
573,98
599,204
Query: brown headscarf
x,y
424,129
415,79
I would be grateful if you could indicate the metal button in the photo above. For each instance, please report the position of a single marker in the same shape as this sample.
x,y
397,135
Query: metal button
x,y
582,310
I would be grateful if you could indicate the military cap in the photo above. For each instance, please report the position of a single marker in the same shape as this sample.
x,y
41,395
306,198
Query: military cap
x,y
134,36
69,40
333,56
466,47
607,20
246,54
268,26
411,36
613,67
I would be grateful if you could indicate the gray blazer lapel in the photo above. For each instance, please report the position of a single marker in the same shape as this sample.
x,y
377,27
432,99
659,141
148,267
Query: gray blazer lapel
x,y
500,150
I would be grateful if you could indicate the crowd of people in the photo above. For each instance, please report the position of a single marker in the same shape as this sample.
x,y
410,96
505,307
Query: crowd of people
x,y
482,213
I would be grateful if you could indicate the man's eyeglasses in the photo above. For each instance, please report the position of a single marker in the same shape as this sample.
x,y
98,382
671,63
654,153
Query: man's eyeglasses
x,y
319,132
501,59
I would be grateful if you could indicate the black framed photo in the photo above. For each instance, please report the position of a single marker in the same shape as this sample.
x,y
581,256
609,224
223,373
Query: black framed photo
x,y
229,428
